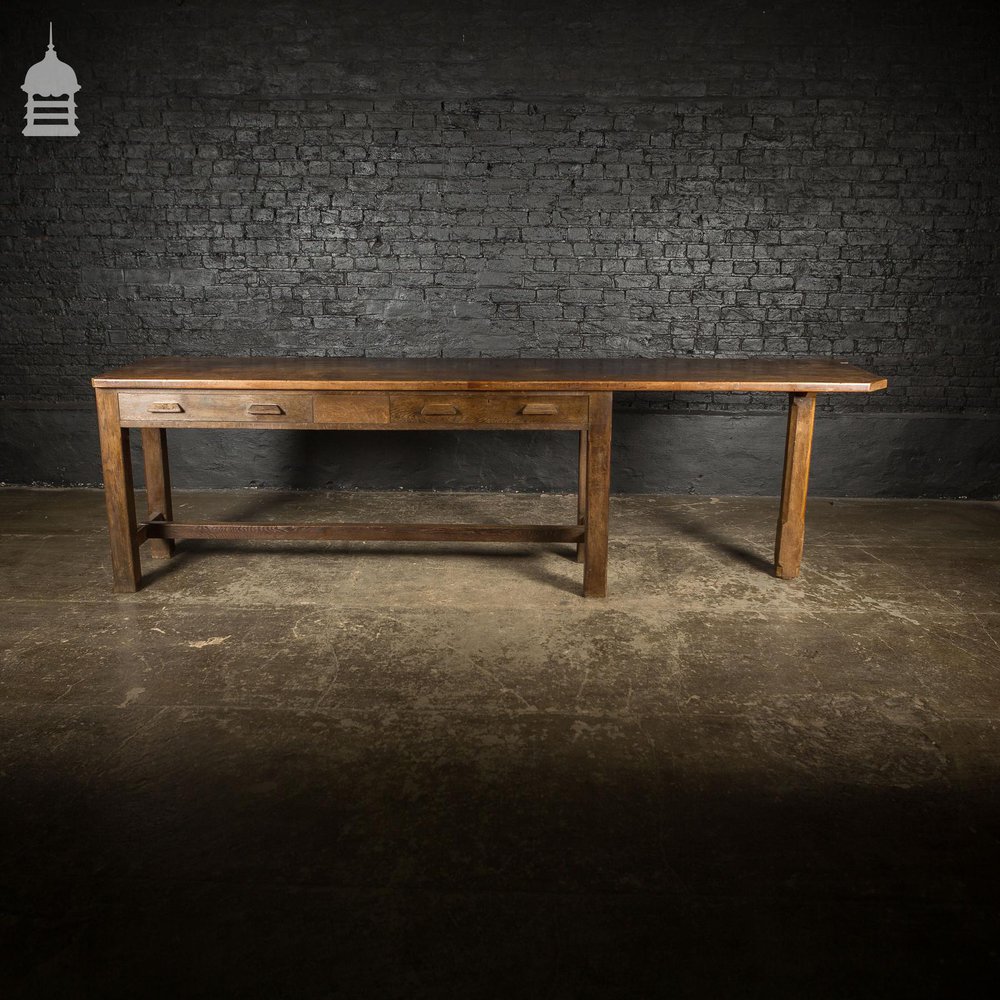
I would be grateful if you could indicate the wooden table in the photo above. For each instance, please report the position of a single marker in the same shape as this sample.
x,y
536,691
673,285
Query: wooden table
x,y
428,394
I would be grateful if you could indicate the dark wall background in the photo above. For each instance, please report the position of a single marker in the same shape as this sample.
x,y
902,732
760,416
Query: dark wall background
x,y
515,179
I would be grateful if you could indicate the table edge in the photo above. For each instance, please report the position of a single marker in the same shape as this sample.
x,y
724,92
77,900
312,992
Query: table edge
x,y
874,384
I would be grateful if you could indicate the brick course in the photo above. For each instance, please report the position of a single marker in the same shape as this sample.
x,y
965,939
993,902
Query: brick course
x,y
510,180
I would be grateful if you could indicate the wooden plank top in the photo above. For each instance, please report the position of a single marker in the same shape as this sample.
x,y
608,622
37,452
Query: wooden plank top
x,y
485,374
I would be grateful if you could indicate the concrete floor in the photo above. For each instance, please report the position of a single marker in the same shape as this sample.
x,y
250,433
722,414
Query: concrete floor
x,y
399,770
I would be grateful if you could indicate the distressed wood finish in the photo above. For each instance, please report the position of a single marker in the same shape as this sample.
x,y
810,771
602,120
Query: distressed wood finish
x,y
496,374
489,410
116,464
433,394
351,409
792,518
168,407
581,493
595,556
372,532
159,504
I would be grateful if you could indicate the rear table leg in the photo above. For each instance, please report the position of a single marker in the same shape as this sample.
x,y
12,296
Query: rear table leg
x,y
792,519
154,457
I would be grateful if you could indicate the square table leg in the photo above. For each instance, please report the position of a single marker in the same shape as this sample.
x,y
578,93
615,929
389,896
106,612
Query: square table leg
x,y
158,501
118,496
598,486
792,519
581,495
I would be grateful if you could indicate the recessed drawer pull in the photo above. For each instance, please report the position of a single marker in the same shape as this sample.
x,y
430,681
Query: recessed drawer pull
x,y
265,409
539,409
166,408
439,410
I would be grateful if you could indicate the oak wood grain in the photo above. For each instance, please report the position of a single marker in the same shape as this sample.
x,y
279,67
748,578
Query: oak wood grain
x,y
488,409
795,483
581,493
116,464
485,374
177,407
351,408
433,393
595,555
158,498
374,531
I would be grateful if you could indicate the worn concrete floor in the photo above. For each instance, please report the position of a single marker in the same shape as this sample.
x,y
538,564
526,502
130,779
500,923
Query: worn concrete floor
x,y
400,770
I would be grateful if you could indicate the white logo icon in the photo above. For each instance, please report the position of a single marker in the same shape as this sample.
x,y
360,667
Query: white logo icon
x,y
50,86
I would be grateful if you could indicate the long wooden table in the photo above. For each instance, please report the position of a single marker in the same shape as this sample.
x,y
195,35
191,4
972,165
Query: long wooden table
x,y
428,394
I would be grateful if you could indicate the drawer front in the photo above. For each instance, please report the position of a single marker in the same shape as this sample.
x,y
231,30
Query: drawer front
x,y
488,409
163,407
362,408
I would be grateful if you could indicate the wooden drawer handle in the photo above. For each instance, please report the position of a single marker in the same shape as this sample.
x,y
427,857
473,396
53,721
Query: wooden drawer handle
x,y
439,410
166,408
265,409
539,409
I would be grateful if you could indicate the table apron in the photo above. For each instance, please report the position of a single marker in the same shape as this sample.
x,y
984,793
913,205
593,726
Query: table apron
x,y
350,410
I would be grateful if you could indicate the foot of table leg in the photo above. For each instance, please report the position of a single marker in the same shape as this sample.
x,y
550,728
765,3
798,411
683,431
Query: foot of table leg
x,y
158,501
581,495
117,465
598,484
792,519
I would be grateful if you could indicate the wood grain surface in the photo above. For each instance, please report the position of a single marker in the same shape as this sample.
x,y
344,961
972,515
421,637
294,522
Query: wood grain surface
x,y
484,374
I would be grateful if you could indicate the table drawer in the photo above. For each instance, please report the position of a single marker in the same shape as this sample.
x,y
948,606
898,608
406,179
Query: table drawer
x,y
488,409
164,407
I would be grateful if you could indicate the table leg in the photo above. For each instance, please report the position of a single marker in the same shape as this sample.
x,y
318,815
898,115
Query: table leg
x,y
598,485
158,502
581,495
792,519
117,465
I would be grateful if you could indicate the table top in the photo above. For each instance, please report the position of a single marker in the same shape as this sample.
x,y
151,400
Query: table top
x,y
485,374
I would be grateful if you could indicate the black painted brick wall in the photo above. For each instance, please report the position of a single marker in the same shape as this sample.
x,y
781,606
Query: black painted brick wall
x,y
503,179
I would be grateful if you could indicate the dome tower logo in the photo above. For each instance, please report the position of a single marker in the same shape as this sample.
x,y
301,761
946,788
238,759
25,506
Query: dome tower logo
x,y
50,86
